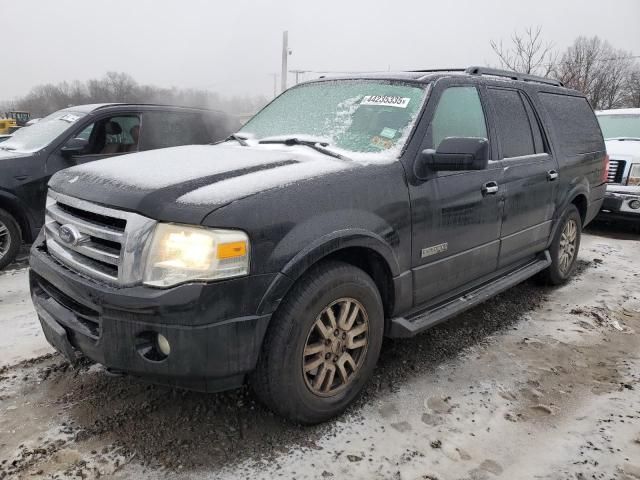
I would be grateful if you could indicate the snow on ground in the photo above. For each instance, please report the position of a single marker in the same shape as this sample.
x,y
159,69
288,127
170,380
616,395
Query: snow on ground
x,y
537,383
21,336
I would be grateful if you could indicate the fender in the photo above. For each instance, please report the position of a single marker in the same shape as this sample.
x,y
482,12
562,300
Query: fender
x,y
581,188
17,208
316,251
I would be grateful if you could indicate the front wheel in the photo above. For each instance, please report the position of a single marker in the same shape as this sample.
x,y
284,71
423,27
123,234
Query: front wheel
x,y
564,248
10,239
322,345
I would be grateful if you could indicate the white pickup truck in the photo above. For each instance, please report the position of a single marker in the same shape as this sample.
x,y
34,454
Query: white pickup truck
x,y
621,130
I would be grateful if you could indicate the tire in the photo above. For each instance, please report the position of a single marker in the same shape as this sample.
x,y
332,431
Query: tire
x,y
560,270
10,239
285,380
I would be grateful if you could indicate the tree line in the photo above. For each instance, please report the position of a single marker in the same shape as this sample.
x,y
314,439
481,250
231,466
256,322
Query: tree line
x,y
121,87
609,77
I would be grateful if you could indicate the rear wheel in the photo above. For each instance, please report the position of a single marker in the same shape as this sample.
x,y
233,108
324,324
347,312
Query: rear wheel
x,y
322,344
564,248
10,239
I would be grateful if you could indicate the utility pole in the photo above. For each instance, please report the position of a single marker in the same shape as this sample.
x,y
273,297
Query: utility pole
x,y
285,54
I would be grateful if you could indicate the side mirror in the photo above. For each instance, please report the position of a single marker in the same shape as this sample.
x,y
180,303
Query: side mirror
x,y
75,146
454,154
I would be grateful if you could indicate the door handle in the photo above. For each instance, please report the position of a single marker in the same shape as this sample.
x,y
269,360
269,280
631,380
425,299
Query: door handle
x,y
552,175
490,188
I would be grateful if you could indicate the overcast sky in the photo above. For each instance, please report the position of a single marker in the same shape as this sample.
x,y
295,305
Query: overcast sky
x,y
232,47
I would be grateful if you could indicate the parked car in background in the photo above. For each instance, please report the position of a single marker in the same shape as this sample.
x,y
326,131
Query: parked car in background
x,y
346,210
83,134
621,130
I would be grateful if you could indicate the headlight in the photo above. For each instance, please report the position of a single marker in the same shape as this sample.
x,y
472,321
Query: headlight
x,y
181,254
634,175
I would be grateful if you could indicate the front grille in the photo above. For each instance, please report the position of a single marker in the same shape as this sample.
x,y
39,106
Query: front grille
x,y
96,241
616,171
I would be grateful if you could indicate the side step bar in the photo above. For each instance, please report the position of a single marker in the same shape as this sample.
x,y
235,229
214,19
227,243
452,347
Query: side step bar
x,y
410,326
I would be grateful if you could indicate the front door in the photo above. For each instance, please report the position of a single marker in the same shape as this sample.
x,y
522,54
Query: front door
x,y
530,176
456,215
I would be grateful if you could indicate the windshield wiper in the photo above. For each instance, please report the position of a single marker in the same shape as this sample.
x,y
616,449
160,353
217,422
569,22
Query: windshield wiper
x,y
318,146
240,139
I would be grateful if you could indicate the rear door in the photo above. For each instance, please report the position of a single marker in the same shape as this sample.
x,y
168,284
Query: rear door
x,y
530,176
456,220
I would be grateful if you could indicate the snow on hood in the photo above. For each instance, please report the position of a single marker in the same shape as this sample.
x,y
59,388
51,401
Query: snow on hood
x,y
181,183
10,154
625,149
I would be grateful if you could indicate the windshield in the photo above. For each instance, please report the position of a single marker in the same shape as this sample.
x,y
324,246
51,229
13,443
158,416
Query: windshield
x,y
41,134
353,115
616,126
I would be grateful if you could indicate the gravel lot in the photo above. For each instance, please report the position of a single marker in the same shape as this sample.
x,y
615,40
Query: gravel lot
x,y
537,383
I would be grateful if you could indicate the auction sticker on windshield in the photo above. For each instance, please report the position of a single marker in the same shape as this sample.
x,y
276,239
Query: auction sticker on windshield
x,y
385,101
69,117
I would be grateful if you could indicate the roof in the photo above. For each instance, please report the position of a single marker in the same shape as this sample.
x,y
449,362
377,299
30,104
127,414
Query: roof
x,y
92,107
619,111
430,75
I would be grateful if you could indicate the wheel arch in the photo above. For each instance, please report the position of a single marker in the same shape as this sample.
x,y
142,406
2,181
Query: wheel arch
x,y
14,207
364,250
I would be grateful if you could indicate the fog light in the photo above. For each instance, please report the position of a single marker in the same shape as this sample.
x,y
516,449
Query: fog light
x,y
153,346
635,204
163,345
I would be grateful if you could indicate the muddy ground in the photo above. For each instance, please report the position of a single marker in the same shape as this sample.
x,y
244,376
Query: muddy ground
x,y
537,383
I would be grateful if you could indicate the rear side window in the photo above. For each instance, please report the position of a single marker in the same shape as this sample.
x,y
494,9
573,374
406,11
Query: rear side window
x,y
459,114
575,125
170,129
512,122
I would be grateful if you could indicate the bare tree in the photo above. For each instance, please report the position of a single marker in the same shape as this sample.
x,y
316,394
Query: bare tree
x,y
527,53
121,87
595,68
632,96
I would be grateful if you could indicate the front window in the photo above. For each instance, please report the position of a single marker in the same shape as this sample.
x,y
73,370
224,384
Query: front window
x,y
357,116
41,134
620,126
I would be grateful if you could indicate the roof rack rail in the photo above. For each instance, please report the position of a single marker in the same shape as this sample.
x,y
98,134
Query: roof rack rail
x,y
513,75
436,70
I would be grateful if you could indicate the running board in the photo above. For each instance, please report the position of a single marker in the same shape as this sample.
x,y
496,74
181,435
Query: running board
x,y
410,326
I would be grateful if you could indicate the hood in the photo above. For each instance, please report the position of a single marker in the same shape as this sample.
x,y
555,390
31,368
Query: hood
x,y
10,154
184,184
624,149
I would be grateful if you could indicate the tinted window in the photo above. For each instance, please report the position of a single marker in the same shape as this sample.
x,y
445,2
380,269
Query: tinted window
x,y
535,127
110,136
459,114
512,122
170,129
574,123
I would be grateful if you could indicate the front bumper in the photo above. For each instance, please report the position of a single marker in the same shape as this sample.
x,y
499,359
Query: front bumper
x,y
213,329
619,202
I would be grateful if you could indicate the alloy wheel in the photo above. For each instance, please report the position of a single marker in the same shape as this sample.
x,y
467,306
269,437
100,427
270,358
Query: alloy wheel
x,y
336,347
567,250
5,240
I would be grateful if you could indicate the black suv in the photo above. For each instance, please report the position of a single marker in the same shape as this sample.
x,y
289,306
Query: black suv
x,y
83,134
346,210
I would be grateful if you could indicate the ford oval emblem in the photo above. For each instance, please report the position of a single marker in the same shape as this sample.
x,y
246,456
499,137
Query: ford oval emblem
x,y
69,235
